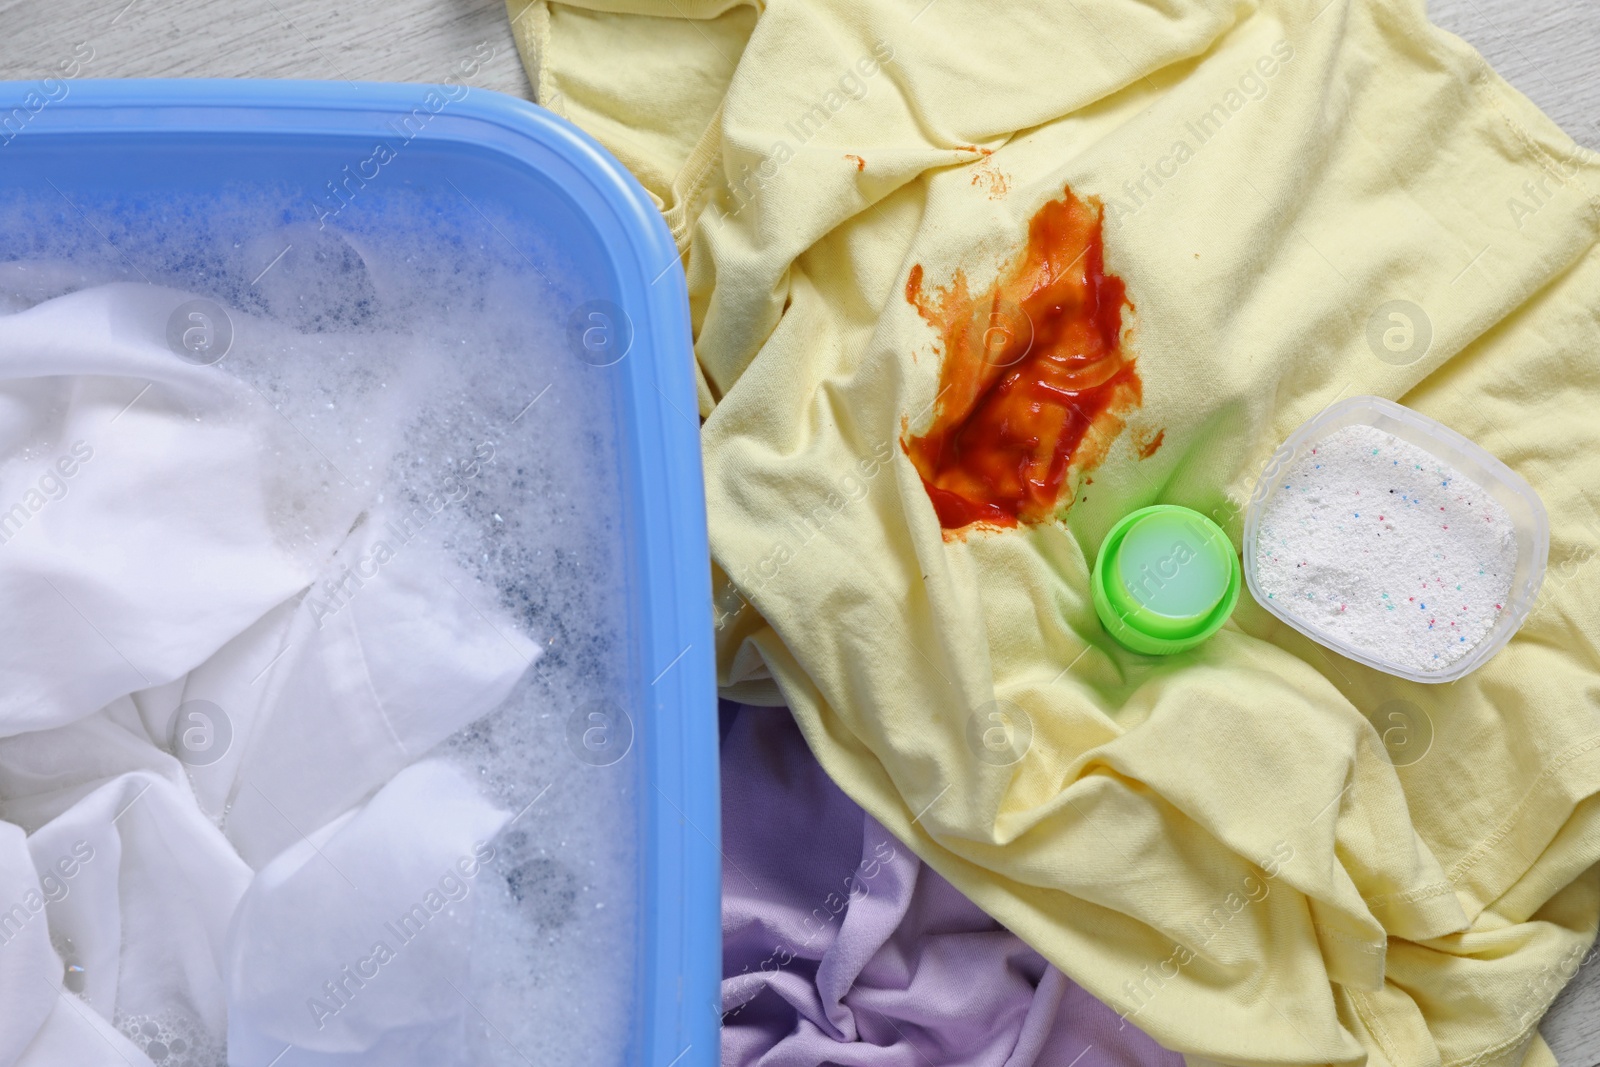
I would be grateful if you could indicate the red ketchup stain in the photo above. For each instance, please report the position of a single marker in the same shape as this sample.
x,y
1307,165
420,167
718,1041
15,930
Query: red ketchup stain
x,y
1148,445
1035,382
861,164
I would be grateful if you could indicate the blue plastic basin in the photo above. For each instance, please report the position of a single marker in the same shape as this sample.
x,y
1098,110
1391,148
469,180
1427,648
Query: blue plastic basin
x,y
193,136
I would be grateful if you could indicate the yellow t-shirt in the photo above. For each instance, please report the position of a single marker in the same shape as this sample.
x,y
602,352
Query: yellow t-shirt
x,y
1220,844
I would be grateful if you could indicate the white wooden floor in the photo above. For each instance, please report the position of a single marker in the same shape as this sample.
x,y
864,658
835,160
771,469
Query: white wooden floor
x,y
1549,49
371,40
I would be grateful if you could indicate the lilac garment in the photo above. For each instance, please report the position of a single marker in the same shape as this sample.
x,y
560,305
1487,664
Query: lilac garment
x,y
841,947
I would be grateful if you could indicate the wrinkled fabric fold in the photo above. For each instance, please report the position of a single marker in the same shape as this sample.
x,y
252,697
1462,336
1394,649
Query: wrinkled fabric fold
x,y
840,946
352,946
114,420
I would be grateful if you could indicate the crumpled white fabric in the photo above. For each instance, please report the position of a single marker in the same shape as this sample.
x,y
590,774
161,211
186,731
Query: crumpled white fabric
x,y
352,946
149,907
154,573
330,697
27,964
76,1034
41,1023
135,533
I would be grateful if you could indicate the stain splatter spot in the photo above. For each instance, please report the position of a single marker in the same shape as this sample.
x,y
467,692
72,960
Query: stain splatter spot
x,y
1147,444
991,181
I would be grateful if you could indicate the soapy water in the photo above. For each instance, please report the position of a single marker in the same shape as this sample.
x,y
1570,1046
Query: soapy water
x,y
416,358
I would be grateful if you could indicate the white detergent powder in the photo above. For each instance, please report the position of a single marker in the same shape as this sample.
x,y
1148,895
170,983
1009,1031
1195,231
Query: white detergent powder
x,y
1378,543
424,475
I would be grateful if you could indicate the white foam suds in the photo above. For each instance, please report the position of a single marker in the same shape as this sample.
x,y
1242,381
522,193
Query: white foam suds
x,y
425,358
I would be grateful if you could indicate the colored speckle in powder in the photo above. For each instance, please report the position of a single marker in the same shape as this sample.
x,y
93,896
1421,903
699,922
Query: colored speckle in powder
x,y
1346,464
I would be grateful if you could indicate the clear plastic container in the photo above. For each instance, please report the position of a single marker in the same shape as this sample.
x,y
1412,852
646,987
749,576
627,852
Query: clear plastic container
x,y
1498,480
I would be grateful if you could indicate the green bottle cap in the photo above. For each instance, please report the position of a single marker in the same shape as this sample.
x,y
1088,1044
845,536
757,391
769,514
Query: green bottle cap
x,y
1166,579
